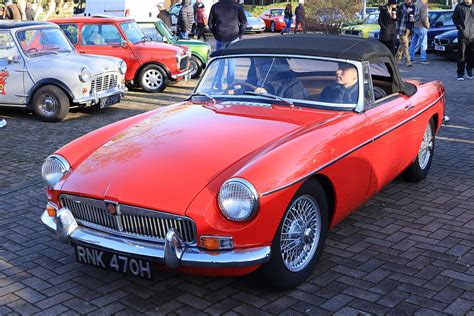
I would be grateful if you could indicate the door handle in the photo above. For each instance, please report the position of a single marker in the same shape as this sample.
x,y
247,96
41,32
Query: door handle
x,y
409,107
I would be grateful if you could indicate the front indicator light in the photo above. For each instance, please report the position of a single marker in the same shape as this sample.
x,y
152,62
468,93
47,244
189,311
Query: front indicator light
x,y
52,209
216,242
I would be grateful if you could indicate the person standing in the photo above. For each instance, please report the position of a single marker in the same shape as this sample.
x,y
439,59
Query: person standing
x,y
29,12
164,15
388,26
463,18
405,19
299,18
288,19
420,33
12,12
201,22
227,22
185,19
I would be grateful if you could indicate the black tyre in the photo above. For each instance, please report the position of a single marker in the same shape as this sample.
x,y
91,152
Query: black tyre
x,y
299,240
153,78
50,103
273,27
419,169
196,65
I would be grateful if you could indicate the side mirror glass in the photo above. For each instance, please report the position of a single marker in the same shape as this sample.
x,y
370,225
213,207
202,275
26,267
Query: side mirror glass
x,y
3,123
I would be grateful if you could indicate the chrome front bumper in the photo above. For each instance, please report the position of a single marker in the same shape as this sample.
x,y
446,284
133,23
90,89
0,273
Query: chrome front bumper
x,y
173,252
186,74
94,97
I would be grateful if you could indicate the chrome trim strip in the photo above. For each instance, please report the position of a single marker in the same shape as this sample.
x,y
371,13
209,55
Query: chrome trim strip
x,y
352,150
191,256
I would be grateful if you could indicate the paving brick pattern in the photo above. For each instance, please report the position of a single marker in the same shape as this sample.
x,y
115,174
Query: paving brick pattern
x,y
409,250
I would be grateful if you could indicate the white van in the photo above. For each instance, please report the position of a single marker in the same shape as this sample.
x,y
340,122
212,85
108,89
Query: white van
x,y
144,11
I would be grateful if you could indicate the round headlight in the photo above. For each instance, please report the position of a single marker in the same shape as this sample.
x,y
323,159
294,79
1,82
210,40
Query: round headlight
x,y
53,169
455,40
238,200
123,67
85,75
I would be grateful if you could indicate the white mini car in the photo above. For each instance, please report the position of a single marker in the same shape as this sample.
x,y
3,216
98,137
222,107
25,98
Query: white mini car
x,y
41,70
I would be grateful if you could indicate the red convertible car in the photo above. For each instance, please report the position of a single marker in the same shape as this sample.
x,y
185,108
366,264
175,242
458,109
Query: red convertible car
x,y
275,20
249,173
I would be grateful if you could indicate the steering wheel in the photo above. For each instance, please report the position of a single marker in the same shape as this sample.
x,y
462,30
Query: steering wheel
x,y
32,50
245,84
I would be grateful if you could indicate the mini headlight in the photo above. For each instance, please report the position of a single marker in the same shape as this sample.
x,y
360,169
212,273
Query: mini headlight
x,y
123,67
85,75
238,200
455,41
53,169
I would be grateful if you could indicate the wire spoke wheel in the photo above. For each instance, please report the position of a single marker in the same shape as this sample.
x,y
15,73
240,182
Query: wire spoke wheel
x,y
300,233
424,153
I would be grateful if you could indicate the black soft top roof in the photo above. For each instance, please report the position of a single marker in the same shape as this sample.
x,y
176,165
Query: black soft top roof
x,y
333,46
4,25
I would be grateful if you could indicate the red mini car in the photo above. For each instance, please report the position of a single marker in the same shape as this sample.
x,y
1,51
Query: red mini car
x,y
269,152
150,65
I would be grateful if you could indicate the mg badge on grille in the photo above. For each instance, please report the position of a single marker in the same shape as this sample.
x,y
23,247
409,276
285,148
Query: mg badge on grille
x,y
112,208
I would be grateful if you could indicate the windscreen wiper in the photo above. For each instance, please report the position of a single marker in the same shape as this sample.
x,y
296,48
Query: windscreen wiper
x,y
270,96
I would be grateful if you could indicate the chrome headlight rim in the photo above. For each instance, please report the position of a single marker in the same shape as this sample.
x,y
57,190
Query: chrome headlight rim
x,y
64,165
85,75
122,67
252,193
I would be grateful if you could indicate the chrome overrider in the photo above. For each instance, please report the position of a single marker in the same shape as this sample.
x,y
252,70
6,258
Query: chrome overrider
x,y
173,253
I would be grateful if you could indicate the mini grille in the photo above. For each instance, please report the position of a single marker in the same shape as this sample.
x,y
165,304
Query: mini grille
x,y
133,222
104,83
184,64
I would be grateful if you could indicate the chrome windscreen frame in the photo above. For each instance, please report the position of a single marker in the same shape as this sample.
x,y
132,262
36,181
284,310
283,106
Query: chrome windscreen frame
x,y
358,107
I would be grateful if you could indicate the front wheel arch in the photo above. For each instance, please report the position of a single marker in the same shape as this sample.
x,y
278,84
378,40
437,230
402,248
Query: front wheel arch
x,y
46,82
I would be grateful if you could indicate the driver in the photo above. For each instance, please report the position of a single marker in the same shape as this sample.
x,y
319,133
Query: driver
x,y
345,89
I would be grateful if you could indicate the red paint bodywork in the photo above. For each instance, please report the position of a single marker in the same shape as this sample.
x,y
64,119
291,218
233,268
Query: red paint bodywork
x,y
175,159
135,55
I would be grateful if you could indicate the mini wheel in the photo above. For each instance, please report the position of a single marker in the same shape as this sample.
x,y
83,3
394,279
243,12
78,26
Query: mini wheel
x,y
50,103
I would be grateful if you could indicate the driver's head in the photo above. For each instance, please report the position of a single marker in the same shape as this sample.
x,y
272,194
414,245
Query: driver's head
x,y
346,75
262,66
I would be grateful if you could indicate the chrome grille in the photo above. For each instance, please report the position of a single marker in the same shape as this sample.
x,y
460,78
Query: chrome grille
x,y
104,83
184,63
133,222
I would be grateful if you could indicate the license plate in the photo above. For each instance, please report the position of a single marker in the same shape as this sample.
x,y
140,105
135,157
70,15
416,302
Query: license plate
x,y
110,100
108,260
440,47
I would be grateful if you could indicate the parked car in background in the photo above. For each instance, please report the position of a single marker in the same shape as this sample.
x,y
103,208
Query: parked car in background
x,y
254,24
274,20
446,44
147,9
40,70
248,173
440,21
151,65
200,51
369,25
368,11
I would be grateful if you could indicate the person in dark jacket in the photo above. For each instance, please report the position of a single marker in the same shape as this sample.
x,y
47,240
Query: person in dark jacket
x,y
388,25
185,19
29,12
227,23
299,18
463,18
288,18
200,22
164,15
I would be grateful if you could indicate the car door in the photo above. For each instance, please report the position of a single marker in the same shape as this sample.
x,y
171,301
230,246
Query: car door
x,y
266,18
12,71
393,130
106,40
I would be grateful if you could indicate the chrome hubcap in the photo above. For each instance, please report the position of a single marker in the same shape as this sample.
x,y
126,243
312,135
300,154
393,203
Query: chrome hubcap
x,y
153,79
426,148
48,105
194,67
300,233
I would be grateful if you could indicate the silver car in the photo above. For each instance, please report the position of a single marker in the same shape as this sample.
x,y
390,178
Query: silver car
x,y
41,70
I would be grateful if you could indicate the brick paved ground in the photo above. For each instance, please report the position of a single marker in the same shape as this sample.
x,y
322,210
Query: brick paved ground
x,y
408,250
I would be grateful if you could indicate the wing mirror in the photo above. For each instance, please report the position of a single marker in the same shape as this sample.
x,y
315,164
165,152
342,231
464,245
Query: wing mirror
x,y
13,59
124,44
3,123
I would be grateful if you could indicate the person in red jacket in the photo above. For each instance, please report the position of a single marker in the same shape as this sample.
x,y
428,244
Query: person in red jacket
x,y
201,22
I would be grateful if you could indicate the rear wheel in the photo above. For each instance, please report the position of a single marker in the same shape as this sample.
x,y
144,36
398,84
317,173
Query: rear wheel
x,y
153,78
299,240
50,103
419,169
273,27
195,65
